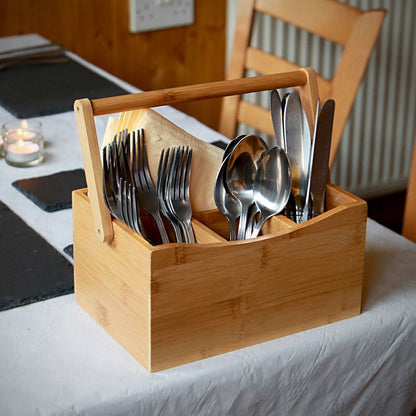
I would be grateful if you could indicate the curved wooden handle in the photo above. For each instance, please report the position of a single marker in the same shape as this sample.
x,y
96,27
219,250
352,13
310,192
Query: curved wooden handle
x,y
196,92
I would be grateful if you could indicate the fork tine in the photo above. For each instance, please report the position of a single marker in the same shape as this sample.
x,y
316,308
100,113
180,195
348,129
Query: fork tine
x,y
136,162
115,162
161,169
120,201
184,173
185,191
170,178
146,170
142,156
107,171
110,191
176,192
165,193
106,187
178,171
130,205
146,194
124,200
188,172
138,227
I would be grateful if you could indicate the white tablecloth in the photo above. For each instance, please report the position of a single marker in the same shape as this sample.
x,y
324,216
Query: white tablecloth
x,y
55,360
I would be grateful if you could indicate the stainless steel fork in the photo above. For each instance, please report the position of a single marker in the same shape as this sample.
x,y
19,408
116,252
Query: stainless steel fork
x,y
110,193
146,192
161,185
119,192
177,190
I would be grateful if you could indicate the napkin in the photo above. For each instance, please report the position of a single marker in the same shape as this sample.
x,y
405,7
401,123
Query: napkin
x,y
52,192
37,90
30,269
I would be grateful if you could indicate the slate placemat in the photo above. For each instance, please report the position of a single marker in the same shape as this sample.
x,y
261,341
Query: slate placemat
x,y
36,90
30,268
69,250
52,192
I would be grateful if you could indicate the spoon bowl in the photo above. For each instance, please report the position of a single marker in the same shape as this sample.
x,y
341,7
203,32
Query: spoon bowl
x,y
240,175
226,203
272,186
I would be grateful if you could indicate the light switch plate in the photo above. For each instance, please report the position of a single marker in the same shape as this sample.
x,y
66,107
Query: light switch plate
x,y
148,15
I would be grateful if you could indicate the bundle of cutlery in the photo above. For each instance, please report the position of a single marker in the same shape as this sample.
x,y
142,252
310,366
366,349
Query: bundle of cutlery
x,y
132,197
308,152
252,180
260,178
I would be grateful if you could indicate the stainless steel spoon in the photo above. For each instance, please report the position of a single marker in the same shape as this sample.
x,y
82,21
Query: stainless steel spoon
x,y
231,145
240,175
226,203
272,186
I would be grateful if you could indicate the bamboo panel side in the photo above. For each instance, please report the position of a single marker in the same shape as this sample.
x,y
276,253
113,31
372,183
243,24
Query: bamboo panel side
x,y
336,196
111,280
218,303
175,303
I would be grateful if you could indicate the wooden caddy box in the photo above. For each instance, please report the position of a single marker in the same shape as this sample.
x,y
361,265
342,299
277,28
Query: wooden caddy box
x,y
176,303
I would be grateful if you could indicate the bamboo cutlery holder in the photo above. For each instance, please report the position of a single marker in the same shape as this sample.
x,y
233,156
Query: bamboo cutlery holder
x,y
176,303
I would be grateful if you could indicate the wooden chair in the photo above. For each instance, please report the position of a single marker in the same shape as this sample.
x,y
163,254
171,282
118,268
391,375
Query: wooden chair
x,y
409,219
350,27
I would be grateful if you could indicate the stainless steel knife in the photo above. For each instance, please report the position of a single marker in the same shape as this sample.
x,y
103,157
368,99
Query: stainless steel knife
x,y
320,166
298,149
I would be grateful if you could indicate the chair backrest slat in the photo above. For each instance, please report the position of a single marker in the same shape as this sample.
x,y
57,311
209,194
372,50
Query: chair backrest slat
x,y
337,22
326,18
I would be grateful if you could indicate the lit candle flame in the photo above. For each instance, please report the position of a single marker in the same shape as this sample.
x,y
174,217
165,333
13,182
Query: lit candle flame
x,y
24,124
21,143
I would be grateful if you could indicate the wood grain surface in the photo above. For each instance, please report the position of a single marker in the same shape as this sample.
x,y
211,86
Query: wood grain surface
x,y
98,31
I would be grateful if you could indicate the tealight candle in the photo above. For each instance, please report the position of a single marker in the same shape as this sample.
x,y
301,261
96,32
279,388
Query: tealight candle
x,y
23,143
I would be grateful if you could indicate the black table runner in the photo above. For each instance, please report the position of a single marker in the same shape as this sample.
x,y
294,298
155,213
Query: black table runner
x,y
37,90
30,268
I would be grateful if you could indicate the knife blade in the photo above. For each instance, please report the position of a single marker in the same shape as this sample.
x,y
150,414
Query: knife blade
x,y
298,149
307,209
320,167
277,118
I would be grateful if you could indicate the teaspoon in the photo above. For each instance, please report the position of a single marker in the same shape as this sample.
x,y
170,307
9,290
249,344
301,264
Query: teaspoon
x,y
272,186
240,175
226,203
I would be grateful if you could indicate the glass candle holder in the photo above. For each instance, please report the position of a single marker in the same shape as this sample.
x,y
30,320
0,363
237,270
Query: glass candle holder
x,y
1,146
23,143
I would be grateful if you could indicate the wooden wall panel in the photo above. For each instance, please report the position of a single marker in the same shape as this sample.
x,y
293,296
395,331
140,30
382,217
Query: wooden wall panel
x,y
98,30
